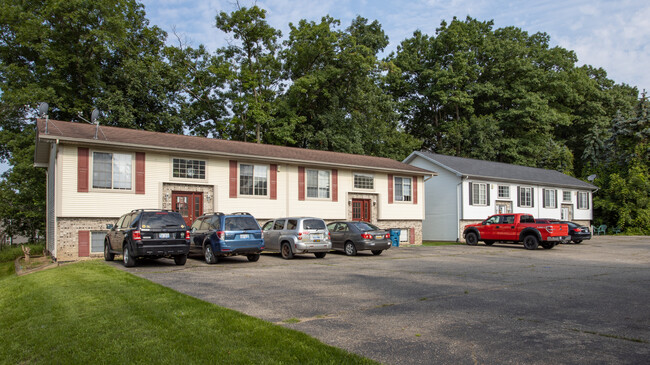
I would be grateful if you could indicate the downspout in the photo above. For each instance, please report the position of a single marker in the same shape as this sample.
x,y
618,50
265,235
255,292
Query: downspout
x,y
459,206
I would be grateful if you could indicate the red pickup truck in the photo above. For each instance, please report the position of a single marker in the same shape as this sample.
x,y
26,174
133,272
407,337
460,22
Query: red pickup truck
x,y
516,228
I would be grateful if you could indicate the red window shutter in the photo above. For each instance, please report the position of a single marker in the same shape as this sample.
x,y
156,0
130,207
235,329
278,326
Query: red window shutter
x,y
411,235
390,189
301,183
274,182
84,243
415,189
335,185
82,170
139,172
233,178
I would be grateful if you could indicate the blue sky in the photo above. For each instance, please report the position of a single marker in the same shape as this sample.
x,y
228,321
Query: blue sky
x,y
614,35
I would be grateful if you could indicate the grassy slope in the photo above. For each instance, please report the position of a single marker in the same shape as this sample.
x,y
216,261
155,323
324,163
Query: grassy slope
x,y
90,312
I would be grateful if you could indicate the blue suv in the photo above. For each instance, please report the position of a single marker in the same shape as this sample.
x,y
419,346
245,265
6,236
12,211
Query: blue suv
x,y
217,235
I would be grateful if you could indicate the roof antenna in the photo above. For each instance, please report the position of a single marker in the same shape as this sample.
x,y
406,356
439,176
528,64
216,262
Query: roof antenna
x,y
93,119
42,111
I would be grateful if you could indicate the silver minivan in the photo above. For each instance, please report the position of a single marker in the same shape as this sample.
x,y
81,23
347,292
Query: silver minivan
x,y
296,235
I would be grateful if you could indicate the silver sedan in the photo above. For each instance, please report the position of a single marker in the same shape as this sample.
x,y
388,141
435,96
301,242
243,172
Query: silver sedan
x,y
351,237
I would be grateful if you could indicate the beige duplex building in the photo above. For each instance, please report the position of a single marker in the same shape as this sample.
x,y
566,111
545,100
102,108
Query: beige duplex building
x,y
96,174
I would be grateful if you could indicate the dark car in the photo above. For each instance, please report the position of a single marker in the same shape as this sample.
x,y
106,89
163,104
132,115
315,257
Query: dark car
x,y
218,234
351,237
148,233
577,232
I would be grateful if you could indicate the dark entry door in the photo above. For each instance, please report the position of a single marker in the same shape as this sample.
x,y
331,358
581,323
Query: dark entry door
x,y
361,210
188,204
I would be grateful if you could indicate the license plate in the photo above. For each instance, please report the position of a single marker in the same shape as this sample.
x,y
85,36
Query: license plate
x,y
163,235
379,237
244,236
316,237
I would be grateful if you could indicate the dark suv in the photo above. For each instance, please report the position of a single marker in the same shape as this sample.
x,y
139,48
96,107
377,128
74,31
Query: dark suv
x,y
148,233
218,234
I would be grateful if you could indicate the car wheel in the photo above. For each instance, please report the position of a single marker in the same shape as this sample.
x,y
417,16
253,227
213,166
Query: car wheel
x,y
471,239
377,252
180,259
577,242
548,246
320,255
531,242
286,252
129,260
208,254
350,249
108,256
489,243
253,257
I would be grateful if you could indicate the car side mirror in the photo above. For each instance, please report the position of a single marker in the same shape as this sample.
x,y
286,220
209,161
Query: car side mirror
x,y
109,226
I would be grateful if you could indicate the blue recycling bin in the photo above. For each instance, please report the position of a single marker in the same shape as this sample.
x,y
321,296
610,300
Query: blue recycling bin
x,y
394,236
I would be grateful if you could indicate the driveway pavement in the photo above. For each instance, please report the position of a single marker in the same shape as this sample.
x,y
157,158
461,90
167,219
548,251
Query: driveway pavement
x,y
587,303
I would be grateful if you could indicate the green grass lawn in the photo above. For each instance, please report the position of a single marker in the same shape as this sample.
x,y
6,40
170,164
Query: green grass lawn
x,y
90,312
440,243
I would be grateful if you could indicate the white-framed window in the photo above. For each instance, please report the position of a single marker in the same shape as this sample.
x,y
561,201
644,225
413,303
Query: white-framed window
x,y
403,189
526,197
479,194
318,184
550,198
404,235
112,170
97,242
188,169
566,195
364,181
253,179
583,200
504,191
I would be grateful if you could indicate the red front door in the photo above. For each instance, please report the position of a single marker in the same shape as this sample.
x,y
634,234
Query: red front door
x,y
361,210
188,204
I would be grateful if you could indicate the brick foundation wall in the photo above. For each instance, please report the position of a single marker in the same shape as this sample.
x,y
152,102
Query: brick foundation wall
x,y
67,239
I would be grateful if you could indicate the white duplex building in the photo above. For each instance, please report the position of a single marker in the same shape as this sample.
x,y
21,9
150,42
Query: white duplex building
x,y
468,191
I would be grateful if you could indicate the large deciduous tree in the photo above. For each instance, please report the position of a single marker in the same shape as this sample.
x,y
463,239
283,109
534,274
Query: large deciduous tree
x,y
76,55
336,101
254,77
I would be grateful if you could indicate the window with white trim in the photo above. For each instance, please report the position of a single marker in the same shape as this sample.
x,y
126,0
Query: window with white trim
x,y
253,180
188,169
112,170
583,200
504,191
479,194
549,198
566,195
364,181
403,189
318,184
526,197
97,242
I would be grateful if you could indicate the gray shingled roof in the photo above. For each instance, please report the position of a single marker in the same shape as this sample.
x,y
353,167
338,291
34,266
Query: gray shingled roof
x,y
503,171
81,133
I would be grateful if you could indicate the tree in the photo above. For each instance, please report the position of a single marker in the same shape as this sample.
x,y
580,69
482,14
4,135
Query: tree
x,y
624,196
254,78
336,95
76,55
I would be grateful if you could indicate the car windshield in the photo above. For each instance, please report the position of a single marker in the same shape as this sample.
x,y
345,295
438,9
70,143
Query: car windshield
x,y
313,224
363,226
162,220
245,223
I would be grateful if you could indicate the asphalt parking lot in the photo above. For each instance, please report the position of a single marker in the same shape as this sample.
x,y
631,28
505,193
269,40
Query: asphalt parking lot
x,y
587,303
